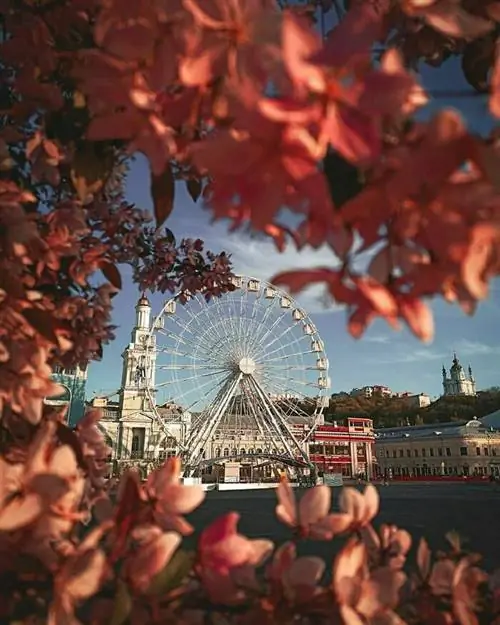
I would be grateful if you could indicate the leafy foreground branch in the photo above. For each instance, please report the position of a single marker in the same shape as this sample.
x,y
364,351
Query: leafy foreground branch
x,y
77,549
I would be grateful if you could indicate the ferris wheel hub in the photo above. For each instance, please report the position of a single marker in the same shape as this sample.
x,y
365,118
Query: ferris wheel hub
x,y
247,366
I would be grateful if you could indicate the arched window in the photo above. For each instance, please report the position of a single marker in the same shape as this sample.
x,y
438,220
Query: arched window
x,y
226,451
217,452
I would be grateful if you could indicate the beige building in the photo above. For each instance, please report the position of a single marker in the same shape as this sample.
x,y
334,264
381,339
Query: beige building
x,y
471,448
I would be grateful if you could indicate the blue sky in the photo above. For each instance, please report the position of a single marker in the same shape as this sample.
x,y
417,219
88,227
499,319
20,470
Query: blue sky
x,y
395,359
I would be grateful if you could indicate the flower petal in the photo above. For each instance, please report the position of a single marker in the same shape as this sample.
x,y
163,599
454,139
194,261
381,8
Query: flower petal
x,y
315,505
20,512
286,510
182,499
305,571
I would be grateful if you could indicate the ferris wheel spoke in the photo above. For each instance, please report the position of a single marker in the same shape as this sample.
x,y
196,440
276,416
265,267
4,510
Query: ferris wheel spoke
x,y
262,336
277,339
297,381
280,424
193,377
288,355
247,323
207,432
280,352
192,366
284,367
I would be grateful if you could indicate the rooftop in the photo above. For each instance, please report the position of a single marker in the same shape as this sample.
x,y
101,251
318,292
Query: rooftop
x,y
489,423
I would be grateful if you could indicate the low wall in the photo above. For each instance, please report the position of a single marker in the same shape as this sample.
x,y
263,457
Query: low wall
x,y
249,485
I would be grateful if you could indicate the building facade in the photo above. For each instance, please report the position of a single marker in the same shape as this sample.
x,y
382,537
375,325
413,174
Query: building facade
x,y
370,391
416,401
458,382
446,449
74,383
141,433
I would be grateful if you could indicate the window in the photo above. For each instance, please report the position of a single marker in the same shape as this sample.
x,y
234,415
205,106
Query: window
x,y
431,452
138,439
463,451
440,451
415,452
408,453
486,451
448,451
478,451
401,453
493,452
423,452
393,453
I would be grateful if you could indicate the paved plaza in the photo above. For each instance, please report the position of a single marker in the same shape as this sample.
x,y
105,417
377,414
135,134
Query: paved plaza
x,y
473,510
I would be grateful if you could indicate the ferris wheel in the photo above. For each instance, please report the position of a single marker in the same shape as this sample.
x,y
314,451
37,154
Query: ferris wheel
x,y
249,367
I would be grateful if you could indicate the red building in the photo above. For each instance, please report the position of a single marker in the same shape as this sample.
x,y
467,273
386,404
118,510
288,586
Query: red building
x,y
345,449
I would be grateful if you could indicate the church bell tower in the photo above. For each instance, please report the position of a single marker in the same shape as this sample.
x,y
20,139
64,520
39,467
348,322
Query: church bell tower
x,y
138,362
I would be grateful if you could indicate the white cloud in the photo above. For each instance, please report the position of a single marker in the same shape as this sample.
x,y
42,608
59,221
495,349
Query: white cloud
x,y
475,348
464,348
259,258
378,338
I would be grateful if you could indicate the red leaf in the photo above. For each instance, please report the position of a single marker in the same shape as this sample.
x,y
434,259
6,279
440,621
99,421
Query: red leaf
x,y
359,320
112,275
43,322
296,281
163,192
418,316
378,295
194,188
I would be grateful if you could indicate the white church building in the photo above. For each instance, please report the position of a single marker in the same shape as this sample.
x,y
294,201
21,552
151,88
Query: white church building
x,y
458,382
134,426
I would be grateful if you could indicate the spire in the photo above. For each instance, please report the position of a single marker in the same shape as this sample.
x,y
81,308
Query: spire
x,y
444,371
143,300
455,359
471,377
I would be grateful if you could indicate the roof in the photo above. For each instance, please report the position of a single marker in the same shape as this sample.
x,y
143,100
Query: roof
x,y
492,420
431,430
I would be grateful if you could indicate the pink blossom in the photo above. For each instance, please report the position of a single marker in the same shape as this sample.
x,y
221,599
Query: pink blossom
x,y
364,595
296,577
80,577
153,552
222,548
361,508
311,517
227,559
170,499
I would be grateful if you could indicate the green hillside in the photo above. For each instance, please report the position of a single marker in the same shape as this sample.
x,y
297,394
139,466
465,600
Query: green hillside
x,y
392,411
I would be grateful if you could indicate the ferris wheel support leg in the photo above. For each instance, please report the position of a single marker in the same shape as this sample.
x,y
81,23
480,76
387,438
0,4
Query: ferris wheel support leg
x,y
281,424
275,425
195,454
201,433
161,421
